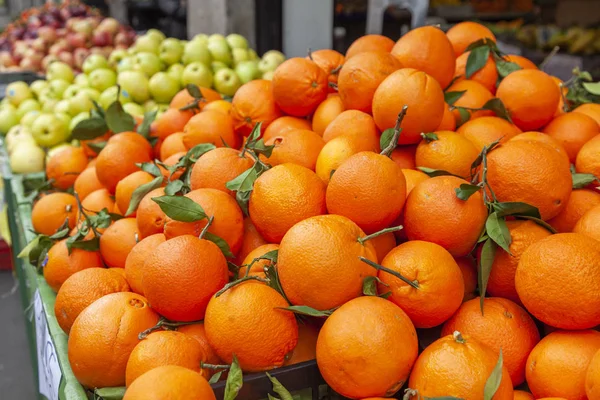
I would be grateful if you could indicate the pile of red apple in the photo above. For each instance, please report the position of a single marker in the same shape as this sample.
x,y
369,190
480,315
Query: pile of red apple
x,y
68,32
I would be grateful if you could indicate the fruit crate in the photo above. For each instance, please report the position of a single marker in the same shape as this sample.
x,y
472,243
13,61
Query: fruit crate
x,y
48,343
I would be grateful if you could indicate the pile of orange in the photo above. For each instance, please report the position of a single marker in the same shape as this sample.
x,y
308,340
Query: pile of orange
x,y
393,310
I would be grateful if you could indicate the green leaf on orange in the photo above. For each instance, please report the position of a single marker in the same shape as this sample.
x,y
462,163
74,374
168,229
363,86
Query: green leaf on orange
x,y
180,208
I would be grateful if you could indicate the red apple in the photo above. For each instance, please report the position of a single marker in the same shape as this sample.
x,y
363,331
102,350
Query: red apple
x,y
80,54
102,38
47,60
58,48
7,60
109,25
61,32
67,57
30,64
76,39
122,39
40,45
47,33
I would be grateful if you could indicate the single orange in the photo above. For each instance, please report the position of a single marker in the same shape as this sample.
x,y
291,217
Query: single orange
x,y
250,241
486,76
257,266
330,61
117,160
296,146
580,201
217,167
326,112
127,186
591,110
171,145
475,96
587,159
149,216
351,122
404,156
64,167
61,264
465,33
449,152
117,241
589,223
253,103
136,259
486,130
51,211
572,131
370,43
285,123
169,381
86,183
183,98
337,150
210,127
171,121
198,332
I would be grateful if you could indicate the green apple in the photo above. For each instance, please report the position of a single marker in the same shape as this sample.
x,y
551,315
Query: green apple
x,y
27,157
227,82
163,88
18,91
71,91
8,119
156,35
146,43
109,96
196,50
134,109
170,51
247,71
82,80
126,64
63,106
150,105
93,62
65,117
268,76
102,78
93,94
148,63
175,71
220,51
5,103
197,74
60,70
217,65
201,37
77,119
46,96
26,106
48,130
216,37
48,105
266,65
116,56
58,87
236,41
29,117
81,102
39,85
253,55
276,55
240,55
134,84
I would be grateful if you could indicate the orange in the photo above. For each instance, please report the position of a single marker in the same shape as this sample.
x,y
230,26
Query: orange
x,y
463,34
326,112
65,166
183,98
433,213
475,96
61,264
589,223
337,150
127,186
542,137
258,267
227,223
171,145
117,241
486,130
521,61
592,383
319,264
521,395
97,201
487,76
370,43
306,349
439,279
104,334
459,366
217,167
383,244
136,260
171,382
330,61
170,162
86,183
181,275
427,49
501,281
85,144
250,241
557,365
132,137
572,131
283,124
531,98
239,320
350,191
299,86
530,172
82,289
51,211
223,106
274,206
117,160
561,104
149,217
448,121
164,348
580,201
449,152
210,127
587,158
575,259
253,103
404,156
420,92
351,122
502,325
469,274
297,146
360,77
591,110
413,178
367,348
171,121
198,332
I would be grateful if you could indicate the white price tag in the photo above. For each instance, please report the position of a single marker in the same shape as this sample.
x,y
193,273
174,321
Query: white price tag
x,y
49,373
